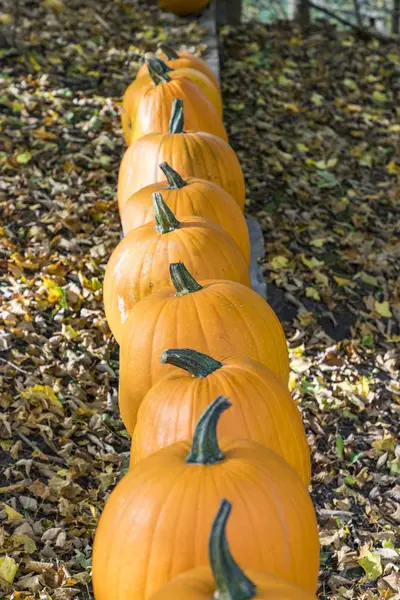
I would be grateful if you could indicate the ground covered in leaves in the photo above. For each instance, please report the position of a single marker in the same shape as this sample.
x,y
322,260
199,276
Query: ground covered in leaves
x,y
314,123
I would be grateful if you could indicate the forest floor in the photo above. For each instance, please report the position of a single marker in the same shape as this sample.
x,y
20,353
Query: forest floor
x,y
315,122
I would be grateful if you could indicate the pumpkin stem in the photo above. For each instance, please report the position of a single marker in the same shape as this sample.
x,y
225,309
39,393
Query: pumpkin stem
x,y
158,70
170,53
205,449
196,363
175,181
182,280
232,583
163,215
176,121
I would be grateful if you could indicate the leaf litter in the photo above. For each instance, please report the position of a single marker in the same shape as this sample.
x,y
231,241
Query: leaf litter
x,y
316,125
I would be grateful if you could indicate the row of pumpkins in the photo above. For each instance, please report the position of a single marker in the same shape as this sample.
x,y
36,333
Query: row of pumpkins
x,y
203,370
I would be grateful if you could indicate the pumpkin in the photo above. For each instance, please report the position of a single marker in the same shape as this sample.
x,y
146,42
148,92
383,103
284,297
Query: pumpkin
x,y
139,265
262,408
191,153
188,197
150,112
179,60
226,580
136,89
219,317
156,522
183,7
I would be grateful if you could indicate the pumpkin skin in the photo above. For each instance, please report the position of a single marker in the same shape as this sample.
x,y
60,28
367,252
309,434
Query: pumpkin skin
x,y
191,153
262,408
156,522
199,584
183,7
139,265
177,60
225,578
151,114
138,87
215,317
189,197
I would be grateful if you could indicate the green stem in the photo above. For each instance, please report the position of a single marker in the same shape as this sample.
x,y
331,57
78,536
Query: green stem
x,y
157,72
170,53
196,363
175,181
163,215
232,583
176,121
182,280
205,449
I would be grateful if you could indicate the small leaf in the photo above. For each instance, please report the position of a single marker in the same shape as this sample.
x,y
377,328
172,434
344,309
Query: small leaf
x,y
339,446
8,569
12,515
279,262
24,158
371,563
383,309
311,263
313,293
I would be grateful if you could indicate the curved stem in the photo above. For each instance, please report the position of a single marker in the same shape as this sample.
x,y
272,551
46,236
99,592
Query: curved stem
x,y
205,449
170,53
182,280
232,583
176,121
175,181
156,71
196,363
163,215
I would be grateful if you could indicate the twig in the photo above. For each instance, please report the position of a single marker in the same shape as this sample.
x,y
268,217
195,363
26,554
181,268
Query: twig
x,y
357,13
35,447
364,33
12,365
100,20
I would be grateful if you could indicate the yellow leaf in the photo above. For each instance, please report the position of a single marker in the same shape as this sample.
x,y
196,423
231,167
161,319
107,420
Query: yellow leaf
x,y
292,107
313,293
341,281
383,308
379,97
311,263
393,168
56,5
43,393
362,386
6,19
293,377
302,148
297,351
8,569
326,164
393,339
12,515
279,262
318,242
317,99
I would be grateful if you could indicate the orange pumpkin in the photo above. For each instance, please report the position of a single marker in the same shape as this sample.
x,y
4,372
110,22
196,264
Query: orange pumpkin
x,y
151,112
135,91
262,408
183,7
156,522
139,265
179,60
188,197
218,317
191,153
226,579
